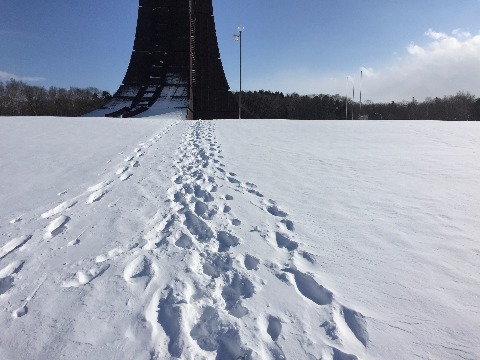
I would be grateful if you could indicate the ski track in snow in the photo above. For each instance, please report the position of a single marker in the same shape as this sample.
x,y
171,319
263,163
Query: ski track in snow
x,y
200,313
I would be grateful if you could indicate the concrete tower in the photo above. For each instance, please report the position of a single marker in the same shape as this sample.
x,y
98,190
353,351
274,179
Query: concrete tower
x,y
175,64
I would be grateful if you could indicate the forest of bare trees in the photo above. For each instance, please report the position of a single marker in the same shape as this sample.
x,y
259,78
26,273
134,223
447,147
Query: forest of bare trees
x,y
20,99
275,105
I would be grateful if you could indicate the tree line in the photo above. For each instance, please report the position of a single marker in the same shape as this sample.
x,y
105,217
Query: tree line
x,y
20,99
276,105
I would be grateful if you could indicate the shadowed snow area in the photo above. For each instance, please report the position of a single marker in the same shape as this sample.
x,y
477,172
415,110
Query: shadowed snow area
x,y
158,238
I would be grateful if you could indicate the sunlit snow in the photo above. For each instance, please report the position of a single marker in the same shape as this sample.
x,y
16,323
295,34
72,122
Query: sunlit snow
x,y
159,238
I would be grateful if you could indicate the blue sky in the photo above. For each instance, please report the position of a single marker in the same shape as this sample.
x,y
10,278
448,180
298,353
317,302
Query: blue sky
x,y
407,48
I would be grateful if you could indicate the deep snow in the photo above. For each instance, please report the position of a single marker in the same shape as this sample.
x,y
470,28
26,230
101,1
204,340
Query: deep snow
x,y
159,238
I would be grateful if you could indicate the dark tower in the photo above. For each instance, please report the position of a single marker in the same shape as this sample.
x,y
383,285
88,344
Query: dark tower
x,y
175,64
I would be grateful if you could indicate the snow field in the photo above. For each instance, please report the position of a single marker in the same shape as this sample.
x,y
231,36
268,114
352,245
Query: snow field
x,y
210,240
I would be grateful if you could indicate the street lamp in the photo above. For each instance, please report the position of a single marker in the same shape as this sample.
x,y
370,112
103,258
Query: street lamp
x,y
238,37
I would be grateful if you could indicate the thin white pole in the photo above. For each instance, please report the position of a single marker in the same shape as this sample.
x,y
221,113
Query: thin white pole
x,y
361,85
240,96
346,99
353,97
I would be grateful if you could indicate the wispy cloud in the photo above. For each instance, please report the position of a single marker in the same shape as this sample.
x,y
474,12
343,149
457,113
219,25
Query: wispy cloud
x,y
7,76
445,64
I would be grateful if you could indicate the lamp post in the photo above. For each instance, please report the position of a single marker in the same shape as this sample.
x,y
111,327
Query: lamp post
x,y
238,37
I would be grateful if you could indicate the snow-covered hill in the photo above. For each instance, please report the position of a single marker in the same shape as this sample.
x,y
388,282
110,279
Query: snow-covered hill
x,y
159,238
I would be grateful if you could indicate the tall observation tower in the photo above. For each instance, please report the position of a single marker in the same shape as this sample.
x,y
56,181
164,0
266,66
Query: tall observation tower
x,y
175,64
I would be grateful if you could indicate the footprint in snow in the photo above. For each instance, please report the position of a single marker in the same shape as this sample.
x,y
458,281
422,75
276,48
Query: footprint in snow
x,y
16,220
84,277
55,227
288,224
111,254
284,242
58,209
251,262
121,170
126,176
213,335
99,186
309,257
357,324
139,267
274,328
7,275
233,180
340,355
13,245
197,227
5,284
226,241
74,242
275,211
96,196
184,241
239,288
255,192
170,318
309,288
217,265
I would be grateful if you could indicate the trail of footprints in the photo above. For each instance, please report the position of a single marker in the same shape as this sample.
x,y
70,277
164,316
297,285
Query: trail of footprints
x,y
59,224
212,285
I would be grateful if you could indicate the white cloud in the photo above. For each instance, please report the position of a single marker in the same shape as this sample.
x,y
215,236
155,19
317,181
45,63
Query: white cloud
x,y
7,76
461,34
444,65
435,35
415,50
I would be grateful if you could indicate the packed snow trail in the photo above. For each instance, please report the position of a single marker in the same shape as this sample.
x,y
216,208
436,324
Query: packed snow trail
x,y
215,298
191,273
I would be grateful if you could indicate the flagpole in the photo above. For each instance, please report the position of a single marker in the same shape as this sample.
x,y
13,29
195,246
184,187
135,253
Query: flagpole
x,y
361,83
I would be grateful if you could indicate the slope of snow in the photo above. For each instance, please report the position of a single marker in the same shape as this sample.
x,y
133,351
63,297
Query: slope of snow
x,y
158,238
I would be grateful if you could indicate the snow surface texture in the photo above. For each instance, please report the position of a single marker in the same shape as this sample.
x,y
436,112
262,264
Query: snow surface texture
x,y
161,238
